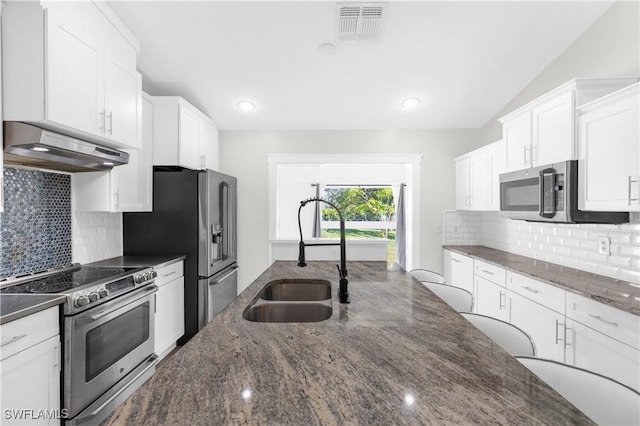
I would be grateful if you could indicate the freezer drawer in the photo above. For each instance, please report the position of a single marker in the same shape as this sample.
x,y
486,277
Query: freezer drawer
x,y
217,292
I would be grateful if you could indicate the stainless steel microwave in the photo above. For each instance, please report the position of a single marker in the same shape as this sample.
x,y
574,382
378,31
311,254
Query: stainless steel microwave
x,y
549,194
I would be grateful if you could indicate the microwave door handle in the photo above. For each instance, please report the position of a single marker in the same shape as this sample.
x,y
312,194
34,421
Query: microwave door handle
x,y
542,211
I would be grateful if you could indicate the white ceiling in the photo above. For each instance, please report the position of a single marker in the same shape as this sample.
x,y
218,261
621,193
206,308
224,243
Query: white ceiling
x,y
465,60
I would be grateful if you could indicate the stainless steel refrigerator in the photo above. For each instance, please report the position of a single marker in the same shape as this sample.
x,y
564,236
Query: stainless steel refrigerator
x,y
194,214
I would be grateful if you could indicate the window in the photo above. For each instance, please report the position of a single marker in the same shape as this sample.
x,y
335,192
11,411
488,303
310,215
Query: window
x,y
368,212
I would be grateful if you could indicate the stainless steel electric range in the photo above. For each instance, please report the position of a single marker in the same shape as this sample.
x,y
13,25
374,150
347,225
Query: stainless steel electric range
x,y
108,333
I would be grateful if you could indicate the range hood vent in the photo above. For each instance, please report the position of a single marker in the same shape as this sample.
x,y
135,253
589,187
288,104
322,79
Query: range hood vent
x,y
359,21
29,145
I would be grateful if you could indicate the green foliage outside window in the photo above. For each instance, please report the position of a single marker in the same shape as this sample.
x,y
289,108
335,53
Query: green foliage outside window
x,y
360,204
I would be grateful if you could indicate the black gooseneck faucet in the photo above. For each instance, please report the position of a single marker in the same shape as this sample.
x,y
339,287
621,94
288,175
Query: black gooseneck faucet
x,y
343,294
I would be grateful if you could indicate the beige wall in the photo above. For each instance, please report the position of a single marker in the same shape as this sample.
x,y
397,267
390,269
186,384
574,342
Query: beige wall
x,y
609,48
244,154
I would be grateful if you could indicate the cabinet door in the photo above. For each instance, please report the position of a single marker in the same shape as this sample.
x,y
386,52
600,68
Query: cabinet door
x,y
490,299
209,145
610,157
75,67
123,105
546,327
516,134
496,165
189,131
594,351
169,321
96,191
31,381
135,180
478,181
553,131
462,172
458,270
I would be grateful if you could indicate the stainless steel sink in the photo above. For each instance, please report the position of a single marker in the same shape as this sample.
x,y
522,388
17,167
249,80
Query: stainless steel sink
x,y
288,312
296,290
291,300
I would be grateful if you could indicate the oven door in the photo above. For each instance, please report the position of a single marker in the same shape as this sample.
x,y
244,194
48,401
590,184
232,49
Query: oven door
x,y
104,344
535,194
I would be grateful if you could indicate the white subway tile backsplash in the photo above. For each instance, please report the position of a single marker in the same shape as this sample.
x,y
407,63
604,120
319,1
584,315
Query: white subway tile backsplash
x,y
569,245
96,236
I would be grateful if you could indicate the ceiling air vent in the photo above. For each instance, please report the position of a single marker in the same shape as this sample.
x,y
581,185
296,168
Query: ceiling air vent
x,y
359,21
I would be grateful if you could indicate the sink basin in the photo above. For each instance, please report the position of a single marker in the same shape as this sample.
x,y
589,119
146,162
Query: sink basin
x,y
295,290
287,312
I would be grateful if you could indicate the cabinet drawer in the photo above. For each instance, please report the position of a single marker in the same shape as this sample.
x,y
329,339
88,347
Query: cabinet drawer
x,y
544,294
169,273
490,272
617,324
25,332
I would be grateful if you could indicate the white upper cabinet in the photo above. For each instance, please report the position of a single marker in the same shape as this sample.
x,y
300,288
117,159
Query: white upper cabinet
x,y
183,135
71,67
127,188
609,152
544,130
477,178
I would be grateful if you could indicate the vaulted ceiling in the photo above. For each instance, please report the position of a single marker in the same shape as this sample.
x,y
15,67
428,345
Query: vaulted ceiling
x,y
464,60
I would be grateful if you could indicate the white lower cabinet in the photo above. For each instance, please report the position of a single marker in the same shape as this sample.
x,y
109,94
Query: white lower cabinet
x,y
543,325
30,370
458,270
490,299
169,319
594,351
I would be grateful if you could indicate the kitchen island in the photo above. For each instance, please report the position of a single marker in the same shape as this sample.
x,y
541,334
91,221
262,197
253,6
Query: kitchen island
x,y
396,355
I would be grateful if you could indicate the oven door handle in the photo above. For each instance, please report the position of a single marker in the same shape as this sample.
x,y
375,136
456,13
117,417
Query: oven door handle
x,y
118,303
542,211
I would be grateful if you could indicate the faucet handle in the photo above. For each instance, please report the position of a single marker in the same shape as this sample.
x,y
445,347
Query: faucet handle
x,y
340,272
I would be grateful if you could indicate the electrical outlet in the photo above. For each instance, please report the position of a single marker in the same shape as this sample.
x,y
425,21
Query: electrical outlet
x,y
604,246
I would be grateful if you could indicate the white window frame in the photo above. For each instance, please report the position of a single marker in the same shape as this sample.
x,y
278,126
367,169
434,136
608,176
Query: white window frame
x,y
412,189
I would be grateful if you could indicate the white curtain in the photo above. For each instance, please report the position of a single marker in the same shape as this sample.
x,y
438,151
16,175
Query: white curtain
x,y
401,230
317,230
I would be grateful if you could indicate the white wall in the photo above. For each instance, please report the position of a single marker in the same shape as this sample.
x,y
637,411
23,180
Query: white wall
x,y
609,48
244,154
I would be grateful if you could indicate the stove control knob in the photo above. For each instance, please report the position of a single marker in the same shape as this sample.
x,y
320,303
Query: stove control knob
x,y
103,292
93,296
82,301
154,274
138,278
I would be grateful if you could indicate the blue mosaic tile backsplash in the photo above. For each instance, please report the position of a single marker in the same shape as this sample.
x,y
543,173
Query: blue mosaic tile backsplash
x,y
36,223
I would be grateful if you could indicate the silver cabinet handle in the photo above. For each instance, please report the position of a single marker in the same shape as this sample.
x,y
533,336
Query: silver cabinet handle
x,y
169,274
102,120
525,154
629,188
599,318
110,116
14,339
532,290
558,339
487,272
455,260
502,293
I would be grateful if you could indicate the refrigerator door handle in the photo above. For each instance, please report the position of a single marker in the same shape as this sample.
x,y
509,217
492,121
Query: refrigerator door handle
x,y
224,218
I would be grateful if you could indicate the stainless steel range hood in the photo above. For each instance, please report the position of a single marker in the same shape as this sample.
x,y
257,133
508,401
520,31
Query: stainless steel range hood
x,y
29,145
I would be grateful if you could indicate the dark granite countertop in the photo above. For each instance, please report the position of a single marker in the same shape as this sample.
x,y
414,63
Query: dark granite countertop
x,y
396,355
134,261
15,306
609,291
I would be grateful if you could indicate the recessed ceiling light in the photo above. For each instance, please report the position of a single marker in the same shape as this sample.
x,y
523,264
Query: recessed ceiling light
x,y
246,105
409,103
39,149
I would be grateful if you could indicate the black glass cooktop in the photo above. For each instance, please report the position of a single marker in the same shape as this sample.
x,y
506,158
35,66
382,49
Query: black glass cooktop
x,y
67,280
